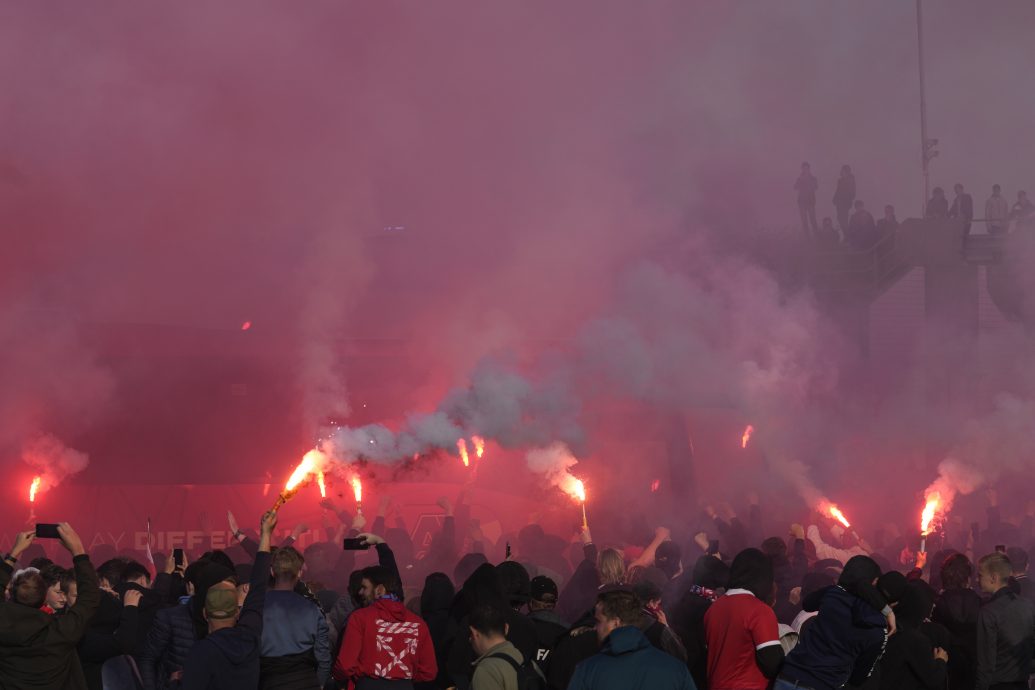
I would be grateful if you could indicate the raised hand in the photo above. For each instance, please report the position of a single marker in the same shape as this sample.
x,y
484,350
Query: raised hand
x,y
70,540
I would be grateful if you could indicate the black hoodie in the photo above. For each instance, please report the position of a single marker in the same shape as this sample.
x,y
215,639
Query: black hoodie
x,y
228,659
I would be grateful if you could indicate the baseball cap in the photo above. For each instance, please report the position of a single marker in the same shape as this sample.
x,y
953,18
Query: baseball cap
x,y
221,603
543,588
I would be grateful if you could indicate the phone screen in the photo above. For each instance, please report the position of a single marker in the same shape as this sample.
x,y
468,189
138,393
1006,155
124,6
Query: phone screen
x,y
47,531
178,556
356,544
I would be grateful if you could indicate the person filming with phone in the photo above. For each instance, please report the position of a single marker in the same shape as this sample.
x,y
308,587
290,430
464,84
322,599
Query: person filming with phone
x,y
38,650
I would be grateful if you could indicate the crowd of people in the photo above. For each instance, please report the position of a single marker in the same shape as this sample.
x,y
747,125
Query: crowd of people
x,y
812,606
856,228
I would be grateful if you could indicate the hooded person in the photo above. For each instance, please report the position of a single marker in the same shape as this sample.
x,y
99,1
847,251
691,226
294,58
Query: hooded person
x,y
655,624
911,661
742,633
846,639
709,578
435,600
957,609
486,586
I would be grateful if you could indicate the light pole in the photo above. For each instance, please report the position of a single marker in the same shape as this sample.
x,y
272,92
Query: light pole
x,y
927,145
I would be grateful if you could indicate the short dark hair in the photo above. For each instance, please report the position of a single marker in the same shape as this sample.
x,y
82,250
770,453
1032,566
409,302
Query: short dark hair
x,y
29,588
859,570
621,604
135,569
111,570
489,620
380,575
1018,558
667,557
774,547
957,572
53,574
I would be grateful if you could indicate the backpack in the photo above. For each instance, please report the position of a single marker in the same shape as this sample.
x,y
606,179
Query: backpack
x,y
528,675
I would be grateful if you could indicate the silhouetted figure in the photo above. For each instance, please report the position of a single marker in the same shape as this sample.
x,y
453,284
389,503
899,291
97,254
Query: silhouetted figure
x,y
806,186
844,196
862,231
828,237
888,225
997,212
1023,211
938,205
962,207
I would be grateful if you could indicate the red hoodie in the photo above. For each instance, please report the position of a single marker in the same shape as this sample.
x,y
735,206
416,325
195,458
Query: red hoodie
x,y
386,640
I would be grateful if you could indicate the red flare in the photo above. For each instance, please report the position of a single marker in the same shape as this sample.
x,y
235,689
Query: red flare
x,y
461,446
930,509
357,489
836,513
479,446
246,325
33,488
655,485
302,472
322,483
746,436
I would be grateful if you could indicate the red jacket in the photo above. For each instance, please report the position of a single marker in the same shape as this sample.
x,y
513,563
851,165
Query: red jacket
x,y
386,640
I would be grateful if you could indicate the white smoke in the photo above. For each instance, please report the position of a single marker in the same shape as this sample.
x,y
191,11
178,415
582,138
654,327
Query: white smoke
x,y
53,460
554,464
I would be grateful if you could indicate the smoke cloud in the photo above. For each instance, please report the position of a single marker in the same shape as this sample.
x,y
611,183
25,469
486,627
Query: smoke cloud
x,y
53,460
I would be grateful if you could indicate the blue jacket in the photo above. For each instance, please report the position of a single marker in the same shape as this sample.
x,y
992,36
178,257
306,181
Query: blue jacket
x,y
628,661
168,642
295,644
841,645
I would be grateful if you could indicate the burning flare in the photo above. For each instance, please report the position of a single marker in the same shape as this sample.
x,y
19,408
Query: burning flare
x,y
479,446
836,513
322,483
461,446
357,489
655,485
33,488
310,465
934,499
746,436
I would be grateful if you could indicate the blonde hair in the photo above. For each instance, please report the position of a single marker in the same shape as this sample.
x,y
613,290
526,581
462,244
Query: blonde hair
x,y
611,567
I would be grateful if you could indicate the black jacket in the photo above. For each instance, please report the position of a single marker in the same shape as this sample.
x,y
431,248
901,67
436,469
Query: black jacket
x,y
38,650
957,610
112,631
842,645
1005,640
909,663
228,659
688,623
549,630
962,207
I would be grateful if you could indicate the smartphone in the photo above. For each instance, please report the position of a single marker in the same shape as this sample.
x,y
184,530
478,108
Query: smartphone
x,y
1000,548
713,547
178,558
356,544
47,531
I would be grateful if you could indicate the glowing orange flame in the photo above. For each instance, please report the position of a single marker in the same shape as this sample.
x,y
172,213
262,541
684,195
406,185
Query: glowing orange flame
x,y
357,489
927,517
479,446
746,436
580,490
322,483
461,445
302,472
33,488
836,513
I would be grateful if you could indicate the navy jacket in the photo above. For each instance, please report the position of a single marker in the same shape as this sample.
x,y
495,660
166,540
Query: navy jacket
x,y
841,645
628,661
228,659
168,642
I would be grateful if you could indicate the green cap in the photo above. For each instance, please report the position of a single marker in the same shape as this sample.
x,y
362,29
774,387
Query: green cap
x,y
221,603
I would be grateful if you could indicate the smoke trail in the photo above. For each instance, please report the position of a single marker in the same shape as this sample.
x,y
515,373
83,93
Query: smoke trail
x,y
554,463
53,460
